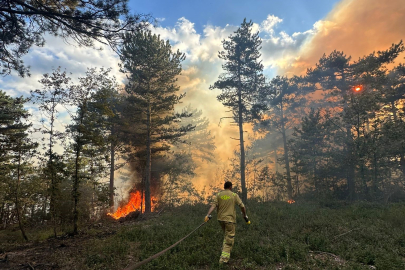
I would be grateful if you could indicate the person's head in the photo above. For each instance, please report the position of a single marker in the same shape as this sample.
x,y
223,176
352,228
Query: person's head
x,y
228,185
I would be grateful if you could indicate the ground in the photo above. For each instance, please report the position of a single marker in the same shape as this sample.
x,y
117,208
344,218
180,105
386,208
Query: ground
x,y
281,236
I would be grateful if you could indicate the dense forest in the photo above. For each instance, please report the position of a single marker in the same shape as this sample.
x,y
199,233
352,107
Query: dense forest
x,y
332,135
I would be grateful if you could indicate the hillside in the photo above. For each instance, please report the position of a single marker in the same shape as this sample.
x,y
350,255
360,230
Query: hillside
x,y
281,236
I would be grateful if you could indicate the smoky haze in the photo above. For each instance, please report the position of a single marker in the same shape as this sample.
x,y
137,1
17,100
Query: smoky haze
x,y
355,27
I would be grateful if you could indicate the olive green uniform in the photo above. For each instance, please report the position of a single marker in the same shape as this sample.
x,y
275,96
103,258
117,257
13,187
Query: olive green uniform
x,y
225,203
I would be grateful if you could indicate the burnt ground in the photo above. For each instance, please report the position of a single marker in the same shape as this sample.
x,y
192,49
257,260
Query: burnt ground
x,y
54,253
63,251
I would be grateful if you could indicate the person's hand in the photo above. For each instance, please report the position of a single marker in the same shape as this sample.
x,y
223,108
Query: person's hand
x,y
207,218
247,219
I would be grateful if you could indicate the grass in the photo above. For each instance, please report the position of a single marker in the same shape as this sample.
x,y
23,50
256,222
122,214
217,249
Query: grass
x,y
281,236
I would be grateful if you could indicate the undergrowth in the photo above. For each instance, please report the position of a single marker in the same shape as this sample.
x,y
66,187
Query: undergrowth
x,y
281,236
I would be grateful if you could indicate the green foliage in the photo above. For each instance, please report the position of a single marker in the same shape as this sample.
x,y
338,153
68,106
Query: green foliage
x,y
350,147
152,69
87,133
17,150
26,22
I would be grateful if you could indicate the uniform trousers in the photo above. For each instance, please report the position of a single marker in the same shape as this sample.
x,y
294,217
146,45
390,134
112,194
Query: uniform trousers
x,y
229,239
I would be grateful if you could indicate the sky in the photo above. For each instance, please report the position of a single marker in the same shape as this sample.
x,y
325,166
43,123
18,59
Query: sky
x,y
295,34
297,15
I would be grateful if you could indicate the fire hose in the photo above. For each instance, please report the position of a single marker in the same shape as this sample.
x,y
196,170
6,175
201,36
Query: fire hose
x,y
139,264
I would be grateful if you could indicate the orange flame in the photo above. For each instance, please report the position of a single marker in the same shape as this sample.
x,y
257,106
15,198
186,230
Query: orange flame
x,y
358,88
134,204
291,201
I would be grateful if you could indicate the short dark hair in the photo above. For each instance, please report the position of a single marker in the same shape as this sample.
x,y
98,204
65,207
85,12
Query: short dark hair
x,y
227,185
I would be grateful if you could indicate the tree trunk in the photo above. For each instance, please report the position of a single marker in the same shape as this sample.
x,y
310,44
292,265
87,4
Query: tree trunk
x,y
52,169
17,205
2,212
148,162
350,164
286,160
142,192
76,188
112,170
275,159
350,161
242,145
375,182
76,181
394,111
316,182
401,154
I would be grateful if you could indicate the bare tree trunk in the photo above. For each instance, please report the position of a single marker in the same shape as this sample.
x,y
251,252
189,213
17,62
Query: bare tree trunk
x,y
53,180
375,178
76,189
2,214
242,145
17,205
350,163
148,162
275,159
286,160
142,193
401,154
112,169
76,181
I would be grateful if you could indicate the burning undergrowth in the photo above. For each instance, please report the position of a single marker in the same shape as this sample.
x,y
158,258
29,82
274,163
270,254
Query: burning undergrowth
x,y
135,204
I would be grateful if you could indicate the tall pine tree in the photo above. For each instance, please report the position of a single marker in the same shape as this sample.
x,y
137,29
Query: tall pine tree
x,y
242,83
151,69
16,147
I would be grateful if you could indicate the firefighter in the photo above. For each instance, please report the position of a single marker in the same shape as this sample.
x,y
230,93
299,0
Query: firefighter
x,y
225,202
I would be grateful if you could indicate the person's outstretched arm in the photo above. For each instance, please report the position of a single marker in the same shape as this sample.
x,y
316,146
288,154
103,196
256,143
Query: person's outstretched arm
x,y
213,206
211,209
242,208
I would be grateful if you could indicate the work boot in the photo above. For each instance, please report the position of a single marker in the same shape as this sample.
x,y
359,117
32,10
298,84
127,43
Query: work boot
x,y
223,260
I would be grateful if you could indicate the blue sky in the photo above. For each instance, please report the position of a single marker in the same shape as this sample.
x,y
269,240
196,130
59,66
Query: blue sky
x,y
297,15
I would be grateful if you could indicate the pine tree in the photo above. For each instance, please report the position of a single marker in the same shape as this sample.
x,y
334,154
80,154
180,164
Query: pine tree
x,y
338,77
283,101
151,69
311,150
84,129
242,83
16,147
106,108
25,23
50,99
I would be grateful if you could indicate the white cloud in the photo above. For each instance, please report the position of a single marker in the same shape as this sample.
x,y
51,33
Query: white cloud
x,y
269,24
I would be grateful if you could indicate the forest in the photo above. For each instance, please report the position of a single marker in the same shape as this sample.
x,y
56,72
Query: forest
x,y
330,138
